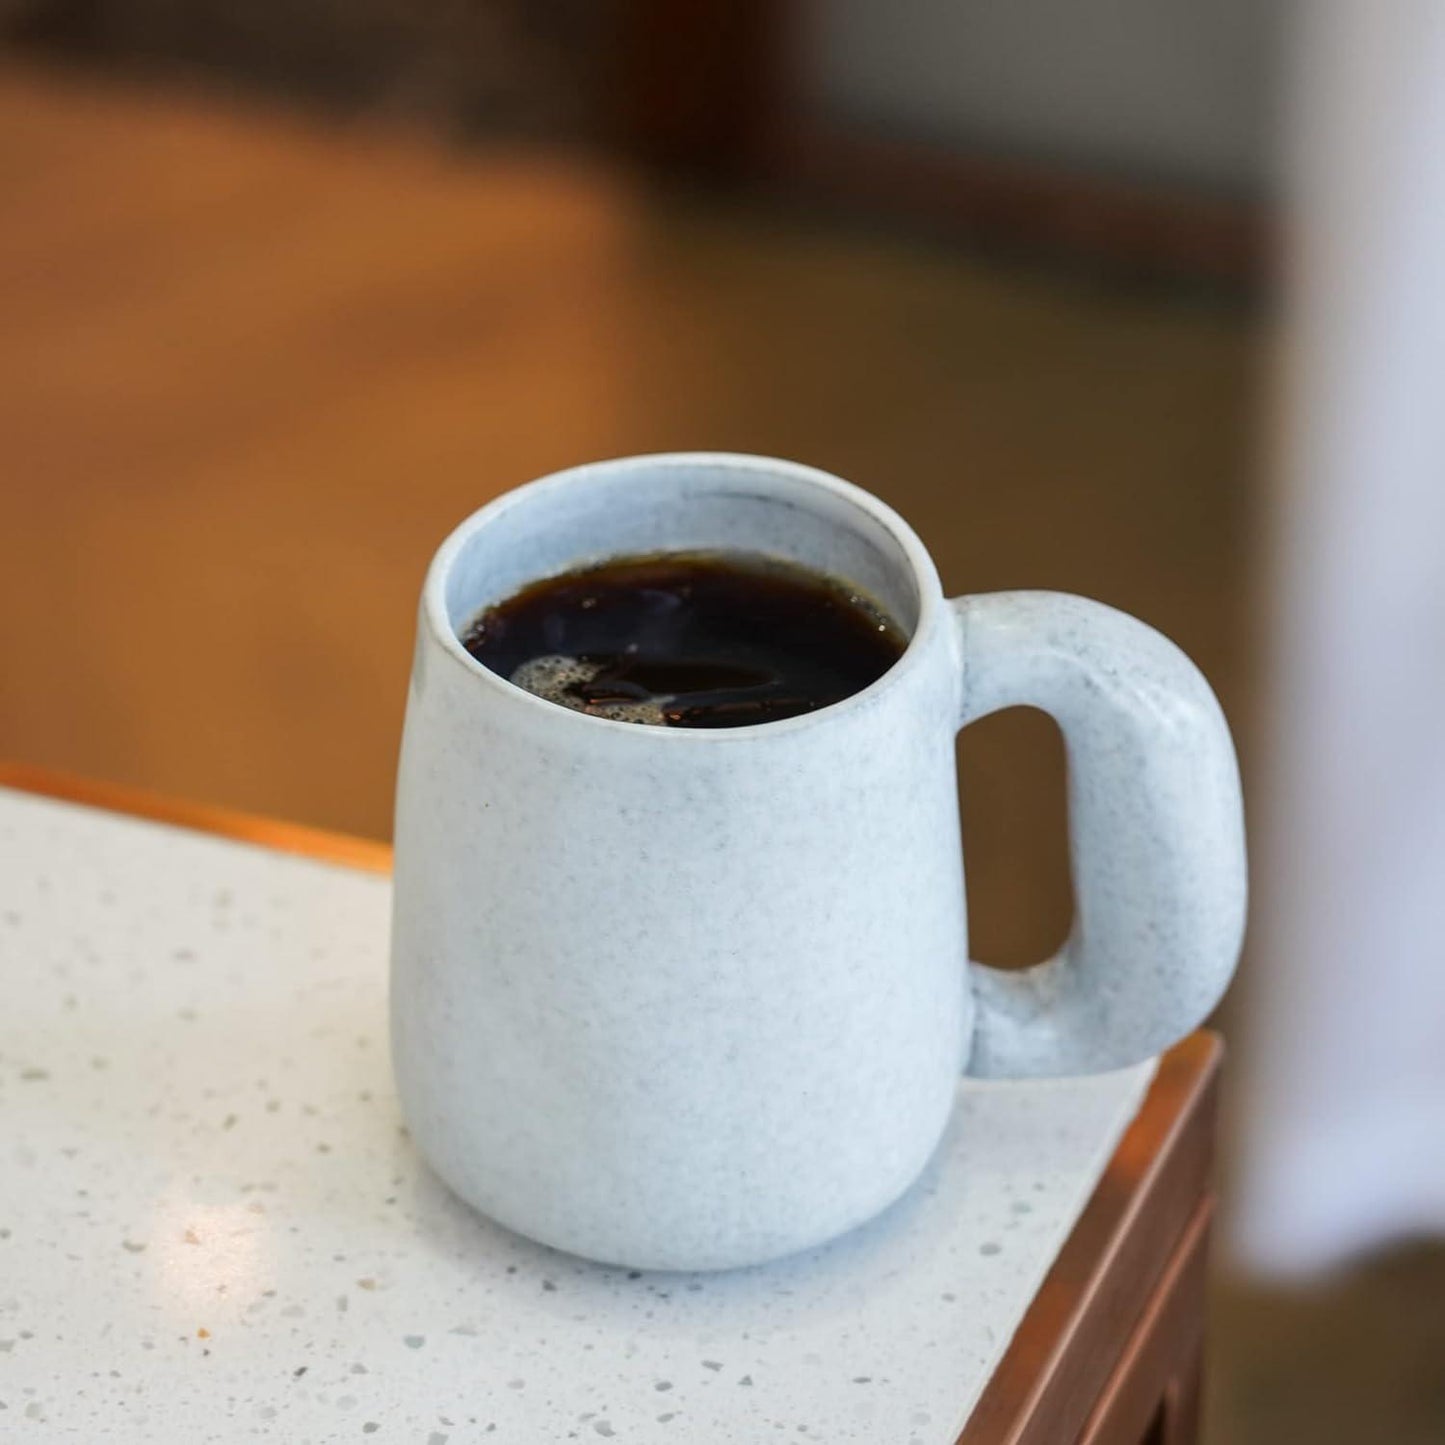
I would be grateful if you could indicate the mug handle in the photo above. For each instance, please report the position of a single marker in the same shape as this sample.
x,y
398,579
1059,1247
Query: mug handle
x,y
1156,835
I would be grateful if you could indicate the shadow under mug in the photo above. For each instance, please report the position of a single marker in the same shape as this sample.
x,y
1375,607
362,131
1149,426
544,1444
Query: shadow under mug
x,y
689,998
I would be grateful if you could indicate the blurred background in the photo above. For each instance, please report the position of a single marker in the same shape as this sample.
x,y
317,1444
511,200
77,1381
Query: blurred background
x,y
288,289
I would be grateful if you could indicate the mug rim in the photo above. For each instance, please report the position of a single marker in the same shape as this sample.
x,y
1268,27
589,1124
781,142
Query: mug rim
x,y
920,564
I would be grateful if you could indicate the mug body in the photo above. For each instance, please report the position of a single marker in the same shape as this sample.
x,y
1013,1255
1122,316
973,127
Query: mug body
x,y
679,998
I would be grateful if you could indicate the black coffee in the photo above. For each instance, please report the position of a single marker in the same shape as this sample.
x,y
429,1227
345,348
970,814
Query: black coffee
x,y
692,640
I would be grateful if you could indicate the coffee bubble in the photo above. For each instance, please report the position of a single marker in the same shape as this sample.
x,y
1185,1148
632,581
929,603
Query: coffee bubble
x,y
559,679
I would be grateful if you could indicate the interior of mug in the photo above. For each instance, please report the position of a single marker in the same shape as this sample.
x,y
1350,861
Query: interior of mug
x,y
661,504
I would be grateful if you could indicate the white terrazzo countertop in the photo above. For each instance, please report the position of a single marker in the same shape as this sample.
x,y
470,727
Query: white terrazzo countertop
x,y
213,1227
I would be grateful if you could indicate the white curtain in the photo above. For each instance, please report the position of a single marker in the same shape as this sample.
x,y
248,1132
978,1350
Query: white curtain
x,y
1343,1077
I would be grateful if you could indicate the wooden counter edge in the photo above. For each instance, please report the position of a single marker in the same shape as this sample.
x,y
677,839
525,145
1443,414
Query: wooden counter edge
x,y
344,848
1085,1313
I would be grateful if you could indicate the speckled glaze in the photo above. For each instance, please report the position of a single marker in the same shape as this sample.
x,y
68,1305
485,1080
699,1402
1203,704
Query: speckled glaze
x,y
691,999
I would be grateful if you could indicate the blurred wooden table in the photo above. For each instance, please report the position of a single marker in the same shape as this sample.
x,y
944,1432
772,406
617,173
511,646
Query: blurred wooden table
x,y
254,367
1109,1352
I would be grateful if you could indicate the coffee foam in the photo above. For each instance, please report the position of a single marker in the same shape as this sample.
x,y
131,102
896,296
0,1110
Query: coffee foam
x,y
555,678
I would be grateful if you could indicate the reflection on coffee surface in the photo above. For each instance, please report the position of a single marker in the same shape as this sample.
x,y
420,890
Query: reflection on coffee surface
x,y
689,639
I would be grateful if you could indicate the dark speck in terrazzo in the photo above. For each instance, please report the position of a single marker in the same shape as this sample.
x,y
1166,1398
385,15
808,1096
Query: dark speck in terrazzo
x,y
604,1427
549,1286
1021,1206
413,1342
712,1364
131,1246
437,1437
370,1428
989,1248
663,1385
746,1380
34,1076
299,1371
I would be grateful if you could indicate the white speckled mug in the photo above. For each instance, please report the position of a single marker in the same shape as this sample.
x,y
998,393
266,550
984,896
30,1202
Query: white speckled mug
x,y
688,999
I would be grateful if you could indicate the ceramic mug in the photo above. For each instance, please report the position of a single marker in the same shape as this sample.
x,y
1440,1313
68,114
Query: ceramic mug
x,y
689,998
